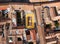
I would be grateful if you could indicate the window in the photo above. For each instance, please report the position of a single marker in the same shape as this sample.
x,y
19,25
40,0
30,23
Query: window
x,y
55,11
10,39
18,18
10,32
0,13
23,17
17,32
5,13
2,34
27,32
56,23
19,39
48,26
48,29
47,12
7,26
30,42
2,30
29,21
14,20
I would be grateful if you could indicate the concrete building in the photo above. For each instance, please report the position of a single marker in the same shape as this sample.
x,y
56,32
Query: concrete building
x,y
13,23
21,22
